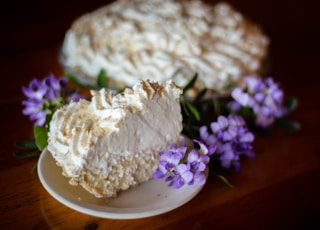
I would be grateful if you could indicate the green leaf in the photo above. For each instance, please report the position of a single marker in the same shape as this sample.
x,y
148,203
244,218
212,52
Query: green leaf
x,y
27,154
291,104
288,125
230,86
185,110
30,144
48,118
247,113
191,83
201,94
34,168
75,80
224,180
193,110
102,80
184,107
41,137
216,106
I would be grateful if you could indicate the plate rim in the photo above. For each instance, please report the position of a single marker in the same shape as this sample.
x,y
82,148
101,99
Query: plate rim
x,y
75,204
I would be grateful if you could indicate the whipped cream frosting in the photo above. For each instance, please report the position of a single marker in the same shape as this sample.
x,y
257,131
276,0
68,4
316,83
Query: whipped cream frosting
x,y
160,40
111,143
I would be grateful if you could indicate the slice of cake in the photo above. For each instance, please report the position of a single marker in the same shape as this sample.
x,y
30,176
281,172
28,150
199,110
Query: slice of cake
x,y
160,40
111,143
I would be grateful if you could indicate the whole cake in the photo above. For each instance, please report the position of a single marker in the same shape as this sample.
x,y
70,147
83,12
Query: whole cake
x,y
111,143
160,40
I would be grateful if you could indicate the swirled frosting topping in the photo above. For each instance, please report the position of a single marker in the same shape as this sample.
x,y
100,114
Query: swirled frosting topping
x,y
162,40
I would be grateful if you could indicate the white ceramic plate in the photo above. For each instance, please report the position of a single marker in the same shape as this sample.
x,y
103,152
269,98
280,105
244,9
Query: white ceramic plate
x,y
148,199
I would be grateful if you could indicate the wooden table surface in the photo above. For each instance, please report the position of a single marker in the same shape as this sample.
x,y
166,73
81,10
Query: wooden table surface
x,y
278,189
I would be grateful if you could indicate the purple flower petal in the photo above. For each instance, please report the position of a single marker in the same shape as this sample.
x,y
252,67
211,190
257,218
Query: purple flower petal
x,y
263,96
178,182
184,172
234,105
254,84
247,137
193,156
241,97
232,141
236,120
221,124
199,179
52,83
36,89
158,174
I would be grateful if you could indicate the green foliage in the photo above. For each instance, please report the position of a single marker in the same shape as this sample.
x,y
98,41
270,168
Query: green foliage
x,y
27,154
189,109
76,81
41,137
29,149
289,126
102,80
224,180
291,104
30,144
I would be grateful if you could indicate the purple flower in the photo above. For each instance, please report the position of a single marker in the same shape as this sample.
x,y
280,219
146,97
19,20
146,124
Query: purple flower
x,y
31,109
263,97
198,162
204,149
44,97
36,90
183,176
74,96
232,139
209,140
169,160
199,178
53,86
180,168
